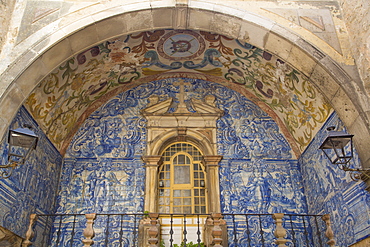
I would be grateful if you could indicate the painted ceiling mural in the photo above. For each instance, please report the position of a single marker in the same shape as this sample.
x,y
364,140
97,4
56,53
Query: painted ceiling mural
x,y
68,95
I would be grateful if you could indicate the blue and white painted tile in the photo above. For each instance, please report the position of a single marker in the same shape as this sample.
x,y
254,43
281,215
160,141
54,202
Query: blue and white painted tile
x,y
33,186
330,190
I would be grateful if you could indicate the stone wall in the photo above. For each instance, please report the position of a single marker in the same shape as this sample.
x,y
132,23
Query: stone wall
x,y
6,9
356,14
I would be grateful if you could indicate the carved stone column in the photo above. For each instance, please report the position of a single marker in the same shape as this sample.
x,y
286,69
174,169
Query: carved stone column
x,y
211,162
89,230
151,181
280,231
153,230
329,232
30,233
217,230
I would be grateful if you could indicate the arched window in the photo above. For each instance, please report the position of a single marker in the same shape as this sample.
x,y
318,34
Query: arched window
x,y
182,180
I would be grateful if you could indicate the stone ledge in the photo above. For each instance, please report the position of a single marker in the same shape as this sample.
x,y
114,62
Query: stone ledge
x,y
278,45
363,243
361,140
324,82
344,107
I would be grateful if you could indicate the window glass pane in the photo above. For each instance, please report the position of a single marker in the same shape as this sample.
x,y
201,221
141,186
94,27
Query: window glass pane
x,y
181,159
177,210
187,160
202,183
177,201
167,183
187,201
164,209
182,175
180,178
202,193
187,210
161,201
177,193
186,193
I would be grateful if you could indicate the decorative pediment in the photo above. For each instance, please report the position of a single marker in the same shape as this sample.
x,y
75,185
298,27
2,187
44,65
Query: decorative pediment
x,y
156,107
195,119
204,107
207,106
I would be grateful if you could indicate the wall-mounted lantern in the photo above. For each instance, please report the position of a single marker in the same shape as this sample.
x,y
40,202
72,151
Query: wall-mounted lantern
x,y
338,148
21,142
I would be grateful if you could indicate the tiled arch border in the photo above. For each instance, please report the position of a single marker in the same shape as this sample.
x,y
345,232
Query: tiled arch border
x,y
46,52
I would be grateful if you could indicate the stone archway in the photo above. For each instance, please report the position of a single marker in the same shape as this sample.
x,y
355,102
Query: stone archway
x,y
49,51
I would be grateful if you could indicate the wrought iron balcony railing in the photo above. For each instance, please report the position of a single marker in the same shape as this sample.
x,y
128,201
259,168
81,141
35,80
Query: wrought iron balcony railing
x,y
179,230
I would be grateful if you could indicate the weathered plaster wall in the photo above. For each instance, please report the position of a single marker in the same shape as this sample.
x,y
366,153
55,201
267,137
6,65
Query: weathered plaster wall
x,y
357,18
6,11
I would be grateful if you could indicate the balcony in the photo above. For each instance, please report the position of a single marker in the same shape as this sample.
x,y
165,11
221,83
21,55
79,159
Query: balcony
x,y
178,230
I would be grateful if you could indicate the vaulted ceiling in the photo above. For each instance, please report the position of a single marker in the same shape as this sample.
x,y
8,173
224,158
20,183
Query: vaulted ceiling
x,y
70,65
68,95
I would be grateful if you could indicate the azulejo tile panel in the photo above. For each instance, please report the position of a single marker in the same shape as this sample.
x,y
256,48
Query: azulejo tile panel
x,y
62,100
105,185
261,186
117,129
331,190
103,171
33,186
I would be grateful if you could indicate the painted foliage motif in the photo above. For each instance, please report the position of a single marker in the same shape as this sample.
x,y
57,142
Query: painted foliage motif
x,y
24,192
66,97
334,191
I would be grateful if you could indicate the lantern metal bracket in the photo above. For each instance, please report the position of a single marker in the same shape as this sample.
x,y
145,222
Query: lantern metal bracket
x,y
338,148
21,142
